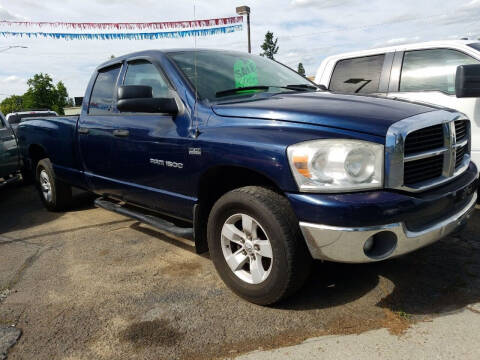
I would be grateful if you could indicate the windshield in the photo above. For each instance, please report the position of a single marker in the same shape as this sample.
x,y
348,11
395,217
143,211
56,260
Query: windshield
x,y
476,46
218,71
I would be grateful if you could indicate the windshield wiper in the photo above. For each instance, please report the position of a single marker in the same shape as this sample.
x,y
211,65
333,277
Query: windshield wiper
x,y
294,87
301,87
240,89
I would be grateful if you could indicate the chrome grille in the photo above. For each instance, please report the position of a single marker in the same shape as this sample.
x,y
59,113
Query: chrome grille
x,y
459,156
424,139
418,158
423,169
460,129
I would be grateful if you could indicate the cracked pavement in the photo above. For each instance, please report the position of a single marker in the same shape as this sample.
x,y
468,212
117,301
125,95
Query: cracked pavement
x,y
92,284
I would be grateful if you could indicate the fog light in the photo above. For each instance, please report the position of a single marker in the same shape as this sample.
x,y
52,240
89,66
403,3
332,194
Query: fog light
x,y
368,245
381,245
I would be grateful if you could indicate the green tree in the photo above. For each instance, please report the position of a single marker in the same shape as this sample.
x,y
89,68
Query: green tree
x,y
11,104
301,69
62,98
269,46
43,94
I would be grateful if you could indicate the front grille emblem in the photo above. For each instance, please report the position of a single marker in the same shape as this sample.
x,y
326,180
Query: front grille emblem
x,y
450,154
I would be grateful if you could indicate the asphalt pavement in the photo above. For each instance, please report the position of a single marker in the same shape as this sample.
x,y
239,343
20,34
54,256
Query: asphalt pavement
x,y
90,284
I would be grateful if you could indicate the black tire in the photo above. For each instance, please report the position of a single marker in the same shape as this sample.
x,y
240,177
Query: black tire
x,y
61,193
291,262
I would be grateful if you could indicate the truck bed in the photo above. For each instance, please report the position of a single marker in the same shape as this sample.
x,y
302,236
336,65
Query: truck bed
x,y
56,136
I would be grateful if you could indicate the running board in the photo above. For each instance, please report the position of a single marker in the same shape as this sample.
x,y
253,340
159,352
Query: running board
x,y
152,220
10,180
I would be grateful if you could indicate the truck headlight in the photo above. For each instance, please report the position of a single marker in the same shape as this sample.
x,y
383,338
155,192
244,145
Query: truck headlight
x,y
332,165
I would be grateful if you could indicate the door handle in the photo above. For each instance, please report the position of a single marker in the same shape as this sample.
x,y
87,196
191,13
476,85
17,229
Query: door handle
x,y
82,130
121,133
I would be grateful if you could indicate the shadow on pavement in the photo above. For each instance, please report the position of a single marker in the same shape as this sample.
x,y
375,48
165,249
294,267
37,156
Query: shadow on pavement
x,y
440,278
21,208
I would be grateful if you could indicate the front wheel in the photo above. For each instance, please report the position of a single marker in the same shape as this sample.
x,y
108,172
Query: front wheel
x,y
256,245
54,194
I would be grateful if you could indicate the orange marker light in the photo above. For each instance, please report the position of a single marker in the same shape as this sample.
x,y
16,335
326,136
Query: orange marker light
x,y
301,164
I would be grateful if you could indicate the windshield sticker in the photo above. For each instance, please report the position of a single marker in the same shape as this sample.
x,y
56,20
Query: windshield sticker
x,y
245,73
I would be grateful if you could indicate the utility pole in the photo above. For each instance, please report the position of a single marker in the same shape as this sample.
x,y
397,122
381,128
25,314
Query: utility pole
x,y
245,10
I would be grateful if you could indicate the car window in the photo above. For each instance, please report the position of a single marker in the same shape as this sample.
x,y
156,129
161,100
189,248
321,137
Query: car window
x,y
2,121
432,69
102,93
145,73
476,46
359,75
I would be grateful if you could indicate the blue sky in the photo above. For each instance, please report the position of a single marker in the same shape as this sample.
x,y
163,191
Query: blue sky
x,y
308,31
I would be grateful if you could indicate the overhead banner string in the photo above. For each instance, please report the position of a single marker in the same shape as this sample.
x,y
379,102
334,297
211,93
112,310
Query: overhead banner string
x,y
200,28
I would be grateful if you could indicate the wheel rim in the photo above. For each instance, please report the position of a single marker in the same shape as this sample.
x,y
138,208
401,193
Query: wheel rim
x,y
45,186
246,248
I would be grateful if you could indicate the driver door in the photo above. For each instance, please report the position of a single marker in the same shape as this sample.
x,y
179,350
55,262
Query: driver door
x,y
151,149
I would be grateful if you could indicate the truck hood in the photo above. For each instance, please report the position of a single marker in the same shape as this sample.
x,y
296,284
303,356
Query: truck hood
x,y
368,114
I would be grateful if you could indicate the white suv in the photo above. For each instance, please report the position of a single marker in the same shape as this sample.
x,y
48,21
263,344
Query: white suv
x,y
424,72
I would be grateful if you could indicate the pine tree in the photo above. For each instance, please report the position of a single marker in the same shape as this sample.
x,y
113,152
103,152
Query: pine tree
x,y
301,69
269,46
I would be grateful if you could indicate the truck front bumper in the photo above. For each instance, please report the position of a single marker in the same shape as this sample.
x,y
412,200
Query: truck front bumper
x,y
373,243
410,221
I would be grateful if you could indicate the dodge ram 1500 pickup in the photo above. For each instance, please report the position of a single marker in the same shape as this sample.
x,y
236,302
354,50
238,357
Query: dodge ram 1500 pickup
x,y
264,169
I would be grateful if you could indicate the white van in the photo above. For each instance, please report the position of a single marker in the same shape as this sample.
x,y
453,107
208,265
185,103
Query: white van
x,y
422,72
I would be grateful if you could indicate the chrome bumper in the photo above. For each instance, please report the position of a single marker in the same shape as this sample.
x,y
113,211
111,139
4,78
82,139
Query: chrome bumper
x,y
347,244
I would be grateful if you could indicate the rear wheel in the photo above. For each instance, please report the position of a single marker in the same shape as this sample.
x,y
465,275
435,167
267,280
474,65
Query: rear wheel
x,y
256,245
54,194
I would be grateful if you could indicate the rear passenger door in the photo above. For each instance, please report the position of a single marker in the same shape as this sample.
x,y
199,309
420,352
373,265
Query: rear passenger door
x,y
362,75
95,134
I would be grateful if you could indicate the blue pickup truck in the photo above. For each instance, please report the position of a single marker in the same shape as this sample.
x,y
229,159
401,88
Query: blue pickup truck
x,y
263,168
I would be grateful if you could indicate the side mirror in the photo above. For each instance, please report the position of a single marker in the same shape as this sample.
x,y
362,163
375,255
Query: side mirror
x,y
467,81
138,98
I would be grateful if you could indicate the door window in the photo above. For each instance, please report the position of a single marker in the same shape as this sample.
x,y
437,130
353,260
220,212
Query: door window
x,y
432,69
102,93
2,121
359,75
476,46
144,73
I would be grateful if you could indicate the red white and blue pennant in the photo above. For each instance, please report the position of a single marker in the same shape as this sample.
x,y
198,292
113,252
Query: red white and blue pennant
x,y
181,29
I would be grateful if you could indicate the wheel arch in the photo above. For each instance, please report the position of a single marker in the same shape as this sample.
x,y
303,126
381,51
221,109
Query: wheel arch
x,y
214,183
36,153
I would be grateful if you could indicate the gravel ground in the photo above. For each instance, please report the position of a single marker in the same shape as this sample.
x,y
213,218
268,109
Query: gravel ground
x,y
8,338
92,284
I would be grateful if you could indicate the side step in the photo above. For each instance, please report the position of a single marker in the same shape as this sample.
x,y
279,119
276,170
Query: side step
x,y
152,220
10,180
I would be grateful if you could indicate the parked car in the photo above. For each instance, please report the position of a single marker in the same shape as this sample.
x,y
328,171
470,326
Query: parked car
x,y
17,117
423,72
264,169
9,154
